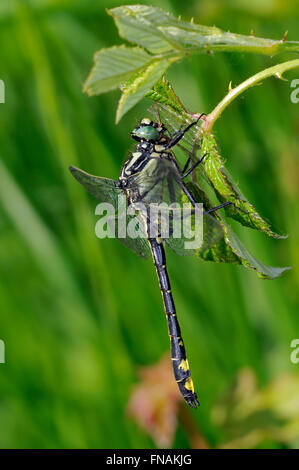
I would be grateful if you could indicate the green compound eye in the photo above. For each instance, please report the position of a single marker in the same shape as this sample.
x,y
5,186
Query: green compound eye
x,y
146,132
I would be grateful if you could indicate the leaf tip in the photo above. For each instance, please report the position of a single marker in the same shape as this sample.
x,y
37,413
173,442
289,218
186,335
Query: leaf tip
x,y
120,110
72,169
117,117
109,11
274,273
86,88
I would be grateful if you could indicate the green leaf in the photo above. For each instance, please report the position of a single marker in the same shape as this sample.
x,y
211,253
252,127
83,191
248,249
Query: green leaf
x,y
227,190
114,66
161,33
218,176
139,85
230,249
199,38
166,39
140,24
252,417
162,92
248,260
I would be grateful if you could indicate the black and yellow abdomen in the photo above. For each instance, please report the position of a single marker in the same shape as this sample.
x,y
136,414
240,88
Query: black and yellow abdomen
x,y
178,352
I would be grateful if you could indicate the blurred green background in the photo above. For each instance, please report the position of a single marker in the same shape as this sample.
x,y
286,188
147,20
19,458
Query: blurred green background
x,y
79,315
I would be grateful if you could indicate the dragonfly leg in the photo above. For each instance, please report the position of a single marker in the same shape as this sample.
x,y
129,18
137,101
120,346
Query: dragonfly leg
x,y
188,194
171,190
213,209
180,134
225,204
192,167
186,165
142,197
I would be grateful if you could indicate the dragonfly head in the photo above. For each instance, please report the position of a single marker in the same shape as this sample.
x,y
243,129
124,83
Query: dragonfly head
x,y
148,131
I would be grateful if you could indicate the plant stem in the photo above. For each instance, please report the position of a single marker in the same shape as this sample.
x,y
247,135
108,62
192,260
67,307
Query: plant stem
x,y
276,70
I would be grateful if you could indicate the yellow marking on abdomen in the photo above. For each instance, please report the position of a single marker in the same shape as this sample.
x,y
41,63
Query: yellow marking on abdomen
x,y
184,365
189,384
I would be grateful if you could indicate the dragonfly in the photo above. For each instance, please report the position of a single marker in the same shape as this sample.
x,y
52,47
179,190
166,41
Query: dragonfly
x,y
152,176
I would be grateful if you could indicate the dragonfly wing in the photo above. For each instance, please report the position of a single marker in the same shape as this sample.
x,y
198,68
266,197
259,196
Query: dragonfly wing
x,y
107,190
135,233
197,234
140,246
153,190
103,189
156,183
174,220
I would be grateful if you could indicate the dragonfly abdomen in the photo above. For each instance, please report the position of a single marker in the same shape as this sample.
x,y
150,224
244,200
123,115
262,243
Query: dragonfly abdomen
x,y
178,352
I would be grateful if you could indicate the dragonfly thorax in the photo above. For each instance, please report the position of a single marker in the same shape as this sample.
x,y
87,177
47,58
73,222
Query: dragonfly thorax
x,y
145,152
152,143
135,164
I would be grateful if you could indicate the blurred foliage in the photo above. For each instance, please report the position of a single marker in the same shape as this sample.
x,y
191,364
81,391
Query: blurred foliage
x,y
251,417
80,315
158,407
154,403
